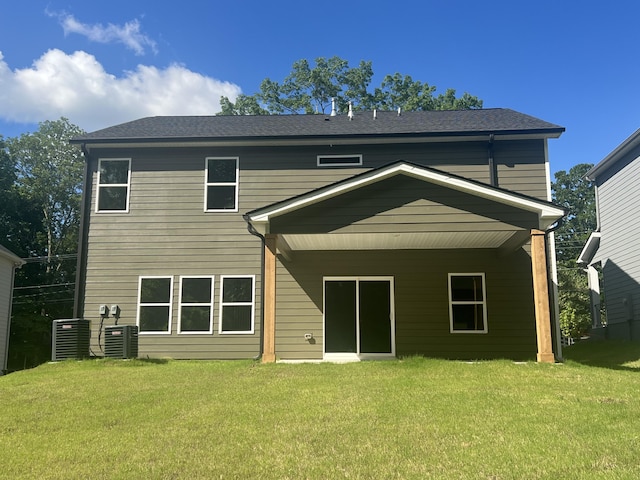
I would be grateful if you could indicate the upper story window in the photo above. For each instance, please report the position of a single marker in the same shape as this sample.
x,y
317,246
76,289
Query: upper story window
x,y
467,303
339,160
154,304
221,184
114,179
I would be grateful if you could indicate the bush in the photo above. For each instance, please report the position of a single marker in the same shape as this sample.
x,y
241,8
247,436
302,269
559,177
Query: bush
x,y
572,323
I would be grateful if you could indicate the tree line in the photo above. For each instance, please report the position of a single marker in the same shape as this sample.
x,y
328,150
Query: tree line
x,y
41,189
40,194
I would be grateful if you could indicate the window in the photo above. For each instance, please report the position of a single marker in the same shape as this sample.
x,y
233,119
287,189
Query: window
x,y
221,185
154,304
196,305
339,160
236,304
114,176
467,303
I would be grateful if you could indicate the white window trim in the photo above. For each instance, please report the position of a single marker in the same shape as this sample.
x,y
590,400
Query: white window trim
x,y
220,184
170,304
128,185
339,164
182,304
223,304
483,302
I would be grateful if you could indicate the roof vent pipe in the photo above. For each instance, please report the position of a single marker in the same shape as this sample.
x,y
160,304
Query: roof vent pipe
x,y
333,107
375,113
399,111
350,114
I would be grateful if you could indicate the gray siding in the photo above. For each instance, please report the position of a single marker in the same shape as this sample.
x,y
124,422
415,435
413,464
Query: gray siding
x,y
521,167
403,204
167,232
619,212
421,301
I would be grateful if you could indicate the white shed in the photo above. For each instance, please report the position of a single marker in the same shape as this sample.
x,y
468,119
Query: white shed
x,y
8,263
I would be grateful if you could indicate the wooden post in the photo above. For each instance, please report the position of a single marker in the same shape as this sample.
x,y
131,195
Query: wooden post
x,y
541,296
269,324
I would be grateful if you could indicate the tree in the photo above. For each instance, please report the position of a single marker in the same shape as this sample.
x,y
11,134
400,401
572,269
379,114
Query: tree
x,y
49,175
575,193
310,89
45,180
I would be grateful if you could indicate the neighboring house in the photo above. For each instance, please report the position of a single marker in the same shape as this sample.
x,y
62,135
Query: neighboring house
x,y
319,237
612,248
8,264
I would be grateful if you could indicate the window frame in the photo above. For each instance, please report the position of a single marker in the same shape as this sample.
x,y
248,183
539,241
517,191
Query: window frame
x,y
196,304
483,302
222,304
208,184
339,164
155,304
126,185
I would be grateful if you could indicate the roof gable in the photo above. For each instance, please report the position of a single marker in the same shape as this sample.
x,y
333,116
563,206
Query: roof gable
x,y
546,212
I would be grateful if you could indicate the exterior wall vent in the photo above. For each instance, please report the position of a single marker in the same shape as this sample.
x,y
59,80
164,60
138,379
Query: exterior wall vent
x,y
70,339
121,341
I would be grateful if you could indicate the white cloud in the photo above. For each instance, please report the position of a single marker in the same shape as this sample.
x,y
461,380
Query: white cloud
x,y
76,86
128,34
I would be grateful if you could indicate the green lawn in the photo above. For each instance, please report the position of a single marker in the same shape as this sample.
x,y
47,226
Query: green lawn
x,y
412,418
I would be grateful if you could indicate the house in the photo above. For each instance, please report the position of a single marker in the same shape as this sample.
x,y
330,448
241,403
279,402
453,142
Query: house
x,y
8,264
611,249
322,237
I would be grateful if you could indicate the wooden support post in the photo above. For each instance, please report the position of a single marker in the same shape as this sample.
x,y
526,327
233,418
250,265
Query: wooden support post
x,y
269,300
541,296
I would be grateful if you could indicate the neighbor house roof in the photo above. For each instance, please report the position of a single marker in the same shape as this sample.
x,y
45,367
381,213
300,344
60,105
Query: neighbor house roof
x,y
435,124
9,255
620,151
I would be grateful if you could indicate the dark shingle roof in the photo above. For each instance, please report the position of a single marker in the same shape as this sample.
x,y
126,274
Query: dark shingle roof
x,y
430,123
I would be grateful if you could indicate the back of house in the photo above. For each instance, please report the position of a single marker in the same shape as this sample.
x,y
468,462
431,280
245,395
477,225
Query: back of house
x,y
317,237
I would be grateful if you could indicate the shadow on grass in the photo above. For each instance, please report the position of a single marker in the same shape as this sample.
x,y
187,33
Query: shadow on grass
x,y
612,354
133,362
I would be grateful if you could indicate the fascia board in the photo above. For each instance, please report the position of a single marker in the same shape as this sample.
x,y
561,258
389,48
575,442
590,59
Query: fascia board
x,y
620,151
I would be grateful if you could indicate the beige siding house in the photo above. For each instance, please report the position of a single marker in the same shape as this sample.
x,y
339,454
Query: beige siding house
x,y
317,237
8,263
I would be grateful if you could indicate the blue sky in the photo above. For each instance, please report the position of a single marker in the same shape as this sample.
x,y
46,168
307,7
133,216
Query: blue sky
x,y
573,63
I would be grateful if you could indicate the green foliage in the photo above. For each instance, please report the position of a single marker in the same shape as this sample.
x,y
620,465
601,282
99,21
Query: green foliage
x,y
414,418
572,323
310,90
44,178
49,176
575,193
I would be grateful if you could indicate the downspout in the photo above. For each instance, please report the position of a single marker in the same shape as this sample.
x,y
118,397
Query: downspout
x,y
78,301
255,233
493,172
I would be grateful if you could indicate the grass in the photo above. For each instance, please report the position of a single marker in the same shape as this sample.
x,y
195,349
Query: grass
x,y
412,418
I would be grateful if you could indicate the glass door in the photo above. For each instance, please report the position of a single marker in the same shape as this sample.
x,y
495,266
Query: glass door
x,y
358,317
